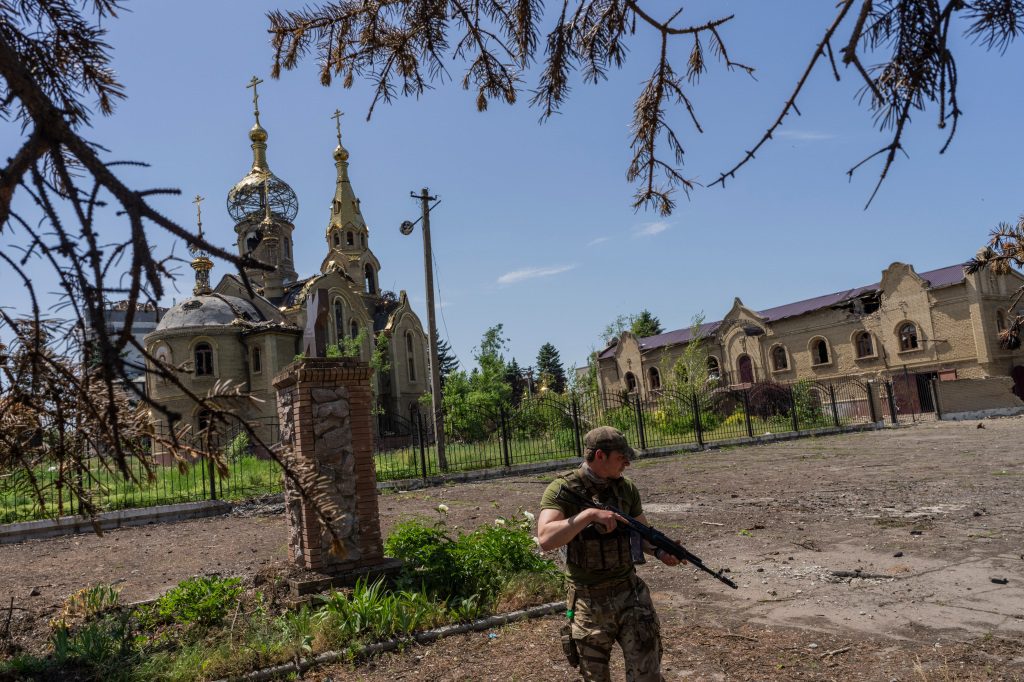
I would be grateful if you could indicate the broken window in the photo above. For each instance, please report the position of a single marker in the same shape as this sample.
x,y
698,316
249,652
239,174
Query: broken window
x,y
204,359
819,352
908,336
779,359
865,347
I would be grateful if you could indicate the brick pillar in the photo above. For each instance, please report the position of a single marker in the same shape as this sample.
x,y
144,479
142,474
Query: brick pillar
x,y
325,411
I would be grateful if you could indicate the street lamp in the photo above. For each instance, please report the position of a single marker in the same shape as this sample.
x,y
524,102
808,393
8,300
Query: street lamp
x,y
428,275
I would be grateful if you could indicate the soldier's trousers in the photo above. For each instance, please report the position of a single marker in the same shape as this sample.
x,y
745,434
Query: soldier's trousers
x,y
625,616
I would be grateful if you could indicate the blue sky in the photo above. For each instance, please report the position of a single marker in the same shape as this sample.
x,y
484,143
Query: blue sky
x,y
535,229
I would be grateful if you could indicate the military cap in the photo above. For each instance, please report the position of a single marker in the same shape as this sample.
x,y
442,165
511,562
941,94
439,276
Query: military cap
x,y
607,439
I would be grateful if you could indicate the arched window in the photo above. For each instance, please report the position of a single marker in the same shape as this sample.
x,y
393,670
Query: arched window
x,y
908,336
746,368
339,321
362,239
203,420
410,356
337,239
204,360
779,359
287,249
654,378
257,360
354,329
349,238
1000,321
371,284
714,372
865,347
819,352
630,382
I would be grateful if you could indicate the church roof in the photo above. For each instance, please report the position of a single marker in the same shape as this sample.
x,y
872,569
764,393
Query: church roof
x,y
942,277
212,310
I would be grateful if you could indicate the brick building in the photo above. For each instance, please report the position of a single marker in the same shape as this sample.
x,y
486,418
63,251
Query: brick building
x,y
937,324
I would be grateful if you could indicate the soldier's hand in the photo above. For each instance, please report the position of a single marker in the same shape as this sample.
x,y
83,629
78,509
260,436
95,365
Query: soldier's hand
x,y
605,521
667,558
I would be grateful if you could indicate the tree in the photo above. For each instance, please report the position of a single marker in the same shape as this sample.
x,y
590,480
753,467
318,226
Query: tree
x,y
446,360
64,207
642,324
549,368
473,400
404,46
689,373
517,381
645,324
1003,253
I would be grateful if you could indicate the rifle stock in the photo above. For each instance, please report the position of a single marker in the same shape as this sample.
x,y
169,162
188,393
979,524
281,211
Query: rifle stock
x,y
649,533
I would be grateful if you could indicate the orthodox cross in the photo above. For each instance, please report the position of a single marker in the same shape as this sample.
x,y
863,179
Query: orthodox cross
x,y
255,97
198,201
337,122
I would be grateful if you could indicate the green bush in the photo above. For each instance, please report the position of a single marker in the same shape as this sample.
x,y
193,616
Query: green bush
x,y
203,600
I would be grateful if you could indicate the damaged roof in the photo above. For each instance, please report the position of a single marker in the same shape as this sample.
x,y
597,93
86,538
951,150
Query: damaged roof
x,y
942,277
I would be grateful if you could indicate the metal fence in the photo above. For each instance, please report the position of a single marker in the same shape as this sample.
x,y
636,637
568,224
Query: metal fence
x,y
155,476
540,428
547,427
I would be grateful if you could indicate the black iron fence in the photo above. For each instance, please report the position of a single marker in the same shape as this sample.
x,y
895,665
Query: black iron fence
x,y
540,428
547,427
157,475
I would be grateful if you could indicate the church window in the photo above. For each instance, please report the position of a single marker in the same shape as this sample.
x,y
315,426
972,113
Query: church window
x,y
203,420
746,369
908,336
654,378
204,360
1000,321
865,346
362,240
349,238
410,356
287,249
257,360
339,321
714,371
337,239
819,351
630,382
779,360
371,284
354,330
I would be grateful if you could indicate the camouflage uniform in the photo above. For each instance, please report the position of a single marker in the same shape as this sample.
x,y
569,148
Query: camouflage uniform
x,y
608,602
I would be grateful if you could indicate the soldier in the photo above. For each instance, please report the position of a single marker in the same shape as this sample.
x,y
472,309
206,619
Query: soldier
x,y
606,601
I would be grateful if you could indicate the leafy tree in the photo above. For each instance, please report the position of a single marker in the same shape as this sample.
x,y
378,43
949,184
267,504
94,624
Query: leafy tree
x,y
645,324
689,373
473,400
910,48
615,328
549,368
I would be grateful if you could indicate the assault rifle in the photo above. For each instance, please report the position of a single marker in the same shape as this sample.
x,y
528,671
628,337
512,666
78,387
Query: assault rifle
x,y
652,535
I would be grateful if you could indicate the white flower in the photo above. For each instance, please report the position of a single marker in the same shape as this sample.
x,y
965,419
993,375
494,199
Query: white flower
x,y
499,522
443,508
529,517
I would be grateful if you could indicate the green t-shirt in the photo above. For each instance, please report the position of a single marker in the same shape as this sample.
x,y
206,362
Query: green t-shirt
x,y
623,494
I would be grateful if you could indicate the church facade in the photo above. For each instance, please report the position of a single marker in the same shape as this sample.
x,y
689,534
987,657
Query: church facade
x,y
942,324
225,335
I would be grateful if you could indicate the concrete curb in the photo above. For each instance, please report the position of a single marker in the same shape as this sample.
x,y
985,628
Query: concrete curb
x,y
425,637
69,525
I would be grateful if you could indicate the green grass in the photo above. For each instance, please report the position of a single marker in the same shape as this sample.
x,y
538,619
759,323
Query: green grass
x,y
247,477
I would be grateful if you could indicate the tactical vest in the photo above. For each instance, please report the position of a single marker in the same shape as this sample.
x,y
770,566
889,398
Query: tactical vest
x,y
593,550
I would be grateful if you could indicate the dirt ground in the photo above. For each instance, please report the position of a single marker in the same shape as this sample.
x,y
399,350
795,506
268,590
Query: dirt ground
x,y
931,515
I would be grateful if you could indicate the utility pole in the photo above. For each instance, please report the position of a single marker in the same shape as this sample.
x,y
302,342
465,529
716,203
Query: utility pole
x,y
435,368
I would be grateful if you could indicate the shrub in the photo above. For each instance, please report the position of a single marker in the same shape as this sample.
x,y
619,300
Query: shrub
x,y
203,600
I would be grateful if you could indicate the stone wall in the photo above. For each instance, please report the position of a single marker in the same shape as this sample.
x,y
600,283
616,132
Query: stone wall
x,y
324,409
976,398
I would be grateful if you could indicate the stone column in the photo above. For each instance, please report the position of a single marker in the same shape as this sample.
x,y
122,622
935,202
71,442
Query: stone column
x,y
325,412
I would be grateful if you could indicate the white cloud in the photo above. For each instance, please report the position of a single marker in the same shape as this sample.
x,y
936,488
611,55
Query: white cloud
x,y
651,229
804,135
532,273
599,240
